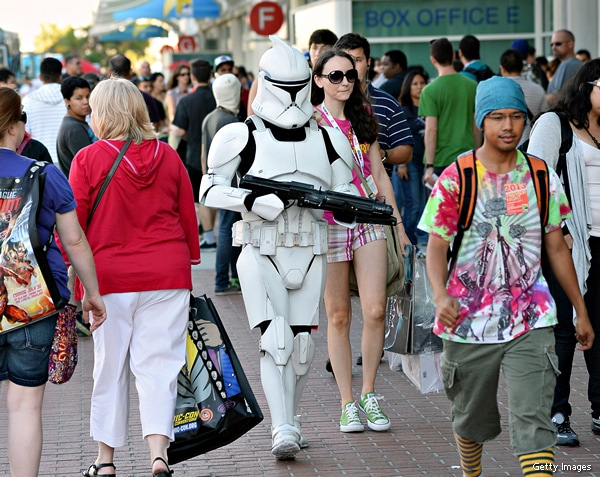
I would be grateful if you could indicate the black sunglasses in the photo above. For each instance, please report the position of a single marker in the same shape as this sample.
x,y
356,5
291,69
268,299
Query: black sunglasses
x,y
337,76
556,43
23,117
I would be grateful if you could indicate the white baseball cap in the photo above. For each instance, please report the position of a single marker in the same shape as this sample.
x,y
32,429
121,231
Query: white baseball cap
x,y
219,60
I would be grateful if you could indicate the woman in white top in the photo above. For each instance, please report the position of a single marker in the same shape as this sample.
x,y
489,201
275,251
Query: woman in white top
x,y
580,102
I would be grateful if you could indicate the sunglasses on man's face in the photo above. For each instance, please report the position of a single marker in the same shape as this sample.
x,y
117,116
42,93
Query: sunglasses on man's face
x,y
337,76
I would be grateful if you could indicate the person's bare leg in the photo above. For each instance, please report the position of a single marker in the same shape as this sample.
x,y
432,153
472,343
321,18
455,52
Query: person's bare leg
x,y
25,433
370,265
337,306
158,445
106,455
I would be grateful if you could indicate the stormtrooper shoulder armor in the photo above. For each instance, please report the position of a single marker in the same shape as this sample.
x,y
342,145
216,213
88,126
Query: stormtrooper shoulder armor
x,y
227,144
339,143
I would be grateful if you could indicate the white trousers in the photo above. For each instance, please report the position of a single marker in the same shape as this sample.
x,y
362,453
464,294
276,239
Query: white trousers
x,y
144,332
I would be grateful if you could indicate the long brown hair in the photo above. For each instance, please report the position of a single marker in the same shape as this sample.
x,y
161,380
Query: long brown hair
x,y
356,108
173,79
10,105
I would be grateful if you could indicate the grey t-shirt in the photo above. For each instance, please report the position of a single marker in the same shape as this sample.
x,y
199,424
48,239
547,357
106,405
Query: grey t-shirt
x,y
73,135
565,70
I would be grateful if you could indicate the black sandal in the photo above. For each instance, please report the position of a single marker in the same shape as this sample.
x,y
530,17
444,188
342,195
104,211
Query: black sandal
x,y
166,473
96,468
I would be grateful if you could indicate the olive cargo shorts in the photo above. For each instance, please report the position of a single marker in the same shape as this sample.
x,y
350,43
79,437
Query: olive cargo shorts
x,y
470,373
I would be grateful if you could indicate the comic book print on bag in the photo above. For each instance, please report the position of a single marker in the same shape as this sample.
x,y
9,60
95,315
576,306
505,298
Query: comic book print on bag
x,y
25,296
497,278
215,403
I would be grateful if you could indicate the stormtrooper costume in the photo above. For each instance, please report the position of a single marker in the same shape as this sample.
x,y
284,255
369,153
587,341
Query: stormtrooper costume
x,y
282,266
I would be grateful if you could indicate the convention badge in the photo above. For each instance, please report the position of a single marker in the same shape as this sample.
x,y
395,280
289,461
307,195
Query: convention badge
x,y
517,201
371,183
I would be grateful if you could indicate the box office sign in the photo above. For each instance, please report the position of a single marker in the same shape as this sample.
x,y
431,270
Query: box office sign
x,y
442,17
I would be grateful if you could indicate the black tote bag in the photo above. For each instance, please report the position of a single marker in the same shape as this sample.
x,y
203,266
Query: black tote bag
x,y
215,403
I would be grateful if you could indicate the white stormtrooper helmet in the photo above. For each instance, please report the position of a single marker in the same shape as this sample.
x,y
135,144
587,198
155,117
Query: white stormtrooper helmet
x,y
283,96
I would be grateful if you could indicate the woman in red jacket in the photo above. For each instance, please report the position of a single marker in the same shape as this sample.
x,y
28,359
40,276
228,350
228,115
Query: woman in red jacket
x,y
144,236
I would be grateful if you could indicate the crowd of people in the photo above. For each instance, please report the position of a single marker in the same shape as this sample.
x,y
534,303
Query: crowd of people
x,y
185,139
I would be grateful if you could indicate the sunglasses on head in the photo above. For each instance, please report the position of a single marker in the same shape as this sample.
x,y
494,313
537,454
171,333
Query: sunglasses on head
x,y
23,117
337,76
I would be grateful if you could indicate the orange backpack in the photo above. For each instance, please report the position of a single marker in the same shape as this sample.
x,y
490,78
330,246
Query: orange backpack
x,y
467,173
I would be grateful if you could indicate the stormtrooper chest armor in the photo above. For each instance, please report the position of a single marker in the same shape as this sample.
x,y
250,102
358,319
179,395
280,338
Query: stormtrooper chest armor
x,y
301,161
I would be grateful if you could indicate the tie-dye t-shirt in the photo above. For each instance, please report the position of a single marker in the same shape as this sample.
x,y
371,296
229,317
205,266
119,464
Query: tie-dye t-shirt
x,y
497,277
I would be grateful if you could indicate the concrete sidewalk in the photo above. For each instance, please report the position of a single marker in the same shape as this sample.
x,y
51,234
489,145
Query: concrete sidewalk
x,y
419,443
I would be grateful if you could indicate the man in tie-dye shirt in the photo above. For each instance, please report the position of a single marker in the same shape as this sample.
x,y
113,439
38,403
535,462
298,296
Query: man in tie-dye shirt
x,y
494,310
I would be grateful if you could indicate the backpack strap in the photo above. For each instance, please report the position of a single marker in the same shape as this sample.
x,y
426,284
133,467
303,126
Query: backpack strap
x,y
467,174
566,142
541,182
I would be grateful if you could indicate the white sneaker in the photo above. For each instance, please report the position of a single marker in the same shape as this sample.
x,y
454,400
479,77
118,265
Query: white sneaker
x,y
286,442
303,441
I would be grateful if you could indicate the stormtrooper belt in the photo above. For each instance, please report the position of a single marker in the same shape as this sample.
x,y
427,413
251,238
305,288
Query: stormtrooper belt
x,y
266,236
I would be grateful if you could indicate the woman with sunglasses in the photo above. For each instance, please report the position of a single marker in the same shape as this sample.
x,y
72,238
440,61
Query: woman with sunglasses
x,y
178,87
24,350
338,99
579,101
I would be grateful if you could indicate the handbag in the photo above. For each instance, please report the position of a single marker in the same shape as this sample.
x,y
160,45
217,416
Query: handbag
x,y
215,403
395,264
410,314
63,352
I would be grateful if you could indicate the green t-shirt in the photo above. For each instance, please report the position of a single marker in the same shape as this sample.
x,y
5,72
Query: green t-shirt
x,y
450,98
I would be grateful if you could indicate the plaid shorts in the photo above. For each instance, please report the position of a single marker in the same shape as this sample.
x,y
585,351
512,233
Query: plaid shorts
x,y
344,241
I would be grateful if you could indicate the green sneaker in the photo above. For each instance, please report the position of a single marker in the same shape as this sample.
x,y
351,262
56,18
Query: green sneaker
x,y
350,420
235,282
376,418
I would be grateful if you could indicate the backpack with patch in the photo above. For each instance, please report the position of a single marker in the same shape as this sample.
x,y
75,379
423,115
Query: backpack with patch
x,y
480,74
467,173
28,290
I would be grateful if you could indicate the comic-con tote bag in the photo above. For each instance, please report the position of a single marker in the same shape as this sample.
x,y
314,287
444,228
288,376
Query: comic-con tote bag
x,y
215,403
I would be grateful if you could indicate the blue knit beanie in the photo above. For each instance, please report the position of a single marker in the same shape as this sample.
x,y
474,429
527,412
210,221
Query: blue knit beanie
x,y
497,93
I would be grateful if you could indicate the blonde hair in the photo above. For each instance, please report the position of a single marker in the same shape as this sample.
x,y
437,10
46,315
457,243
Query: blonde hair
x,y
119,111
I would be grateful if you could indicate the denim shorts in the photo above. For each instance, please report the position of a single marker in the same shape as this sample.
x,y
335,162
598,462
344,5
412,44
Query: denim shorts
x,y
24,353
470,373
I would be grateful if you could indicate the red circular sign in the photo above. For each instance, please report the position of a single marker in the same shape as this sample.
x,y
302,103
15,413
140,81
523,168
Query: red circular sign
x,y
266,18
186,44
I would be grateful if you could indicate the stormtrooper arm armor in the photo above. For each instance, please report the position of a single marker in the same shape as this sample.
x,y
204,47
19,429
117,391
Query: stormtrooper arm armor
x,y
223,162
342,167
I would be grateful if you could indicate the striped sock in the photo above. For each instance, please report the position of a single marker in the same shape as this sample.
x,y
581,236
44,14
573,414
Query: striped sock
x,y
538,464
470,456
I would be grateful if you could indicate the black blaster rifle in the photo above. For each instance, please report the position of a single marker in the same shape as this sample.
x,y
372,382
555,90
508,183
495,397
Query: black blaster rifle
x,y
345,207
